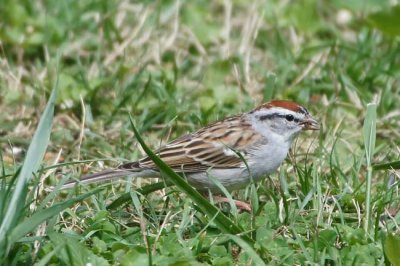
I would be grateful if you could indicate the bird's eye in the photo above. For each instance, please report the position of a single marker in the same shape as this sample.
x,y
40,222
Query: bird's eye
x,y
289,118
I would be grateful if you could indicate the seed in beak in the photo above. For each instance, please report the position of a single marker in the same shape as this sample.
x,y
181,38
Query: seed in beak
x,y
310,123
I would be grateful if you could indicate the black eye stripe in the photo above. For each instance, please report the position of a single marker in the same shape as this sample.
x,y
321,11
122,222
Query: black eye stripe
x,y
264,117
274,115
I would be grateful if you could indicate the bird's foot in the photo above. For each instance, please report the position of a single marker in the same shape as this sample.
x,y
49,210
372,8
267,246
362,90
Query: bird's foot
x,y
241,205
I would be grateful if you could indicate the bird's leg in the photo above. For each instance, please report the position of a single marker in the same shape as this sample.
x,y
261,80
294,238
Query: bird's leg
x,y
241,205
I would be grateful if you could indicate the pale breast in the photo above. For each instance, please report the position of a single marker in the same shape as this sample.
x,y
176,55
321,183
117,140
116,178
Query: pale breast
x,y
267,156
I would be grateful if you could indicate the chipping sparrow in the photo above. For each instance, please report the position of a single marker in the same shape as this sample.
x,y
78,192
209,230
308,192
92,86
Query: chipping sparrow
x,y
262,137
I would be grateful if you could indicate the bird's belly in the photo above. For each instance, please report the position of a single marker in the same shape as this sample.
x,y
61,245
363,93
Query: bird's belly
x,y
231,179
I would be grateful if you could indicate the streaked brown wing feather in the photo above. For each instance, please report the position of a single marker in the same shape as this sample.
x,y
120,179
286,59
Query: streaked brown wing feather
x,y
215,146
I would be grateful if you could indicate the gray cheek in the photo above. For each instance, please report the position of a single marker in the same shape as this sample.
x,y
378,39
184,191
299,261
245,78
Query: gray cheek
x,y
292,126
280,127
275,125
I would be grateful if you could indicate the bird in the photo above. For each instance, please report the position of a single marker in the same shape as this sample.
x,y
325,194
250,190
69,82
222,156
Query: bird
x,y
236,150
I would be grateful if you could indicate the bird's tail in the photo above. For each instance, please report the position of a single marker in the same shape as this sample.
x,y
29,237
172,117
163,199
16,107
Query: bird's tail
x,y
98,177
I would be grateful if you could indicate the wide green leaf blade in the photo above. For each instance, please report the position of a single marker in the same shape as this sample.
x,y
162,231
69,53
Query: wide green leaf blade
x,y
392,248
32,162
387,21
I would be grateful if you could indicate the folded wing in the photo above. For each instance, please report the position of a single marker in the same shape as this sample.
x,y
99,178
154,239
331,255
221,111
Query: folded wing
x,y
216,146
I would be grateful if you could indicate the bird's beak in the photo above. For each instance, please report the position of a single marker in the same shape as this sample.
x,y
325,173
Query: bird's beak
x,y
310,123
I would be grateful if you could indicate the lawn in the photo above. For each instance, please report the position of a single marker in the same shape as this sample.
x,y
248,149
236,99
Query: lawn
x,y
88,85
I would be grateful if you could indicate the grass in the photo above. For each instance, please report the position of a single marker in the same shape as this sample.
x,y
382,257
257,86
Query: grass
x,y
176,66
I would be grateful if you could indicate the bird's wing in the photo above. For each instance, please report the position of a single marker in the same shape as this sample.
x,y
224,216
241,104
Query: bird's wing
x,y
215,146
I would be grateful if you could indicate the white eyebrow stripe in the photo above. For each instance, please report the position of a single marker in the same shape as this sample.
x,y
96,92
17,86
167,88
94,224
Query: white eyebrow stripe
x,y
274,113
281,111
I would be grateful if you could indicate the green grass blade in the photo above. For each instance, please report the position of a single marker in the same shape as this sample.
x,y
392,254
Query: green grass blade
x,y
224,223
33,159
46,259
249,250
39,217
226,193
387,166
143,191
369,132
44,202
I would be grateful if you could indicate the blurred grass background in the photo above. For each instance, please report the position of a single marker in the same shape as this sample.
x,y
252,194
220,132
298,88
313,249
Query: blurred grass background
x,y
177,66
